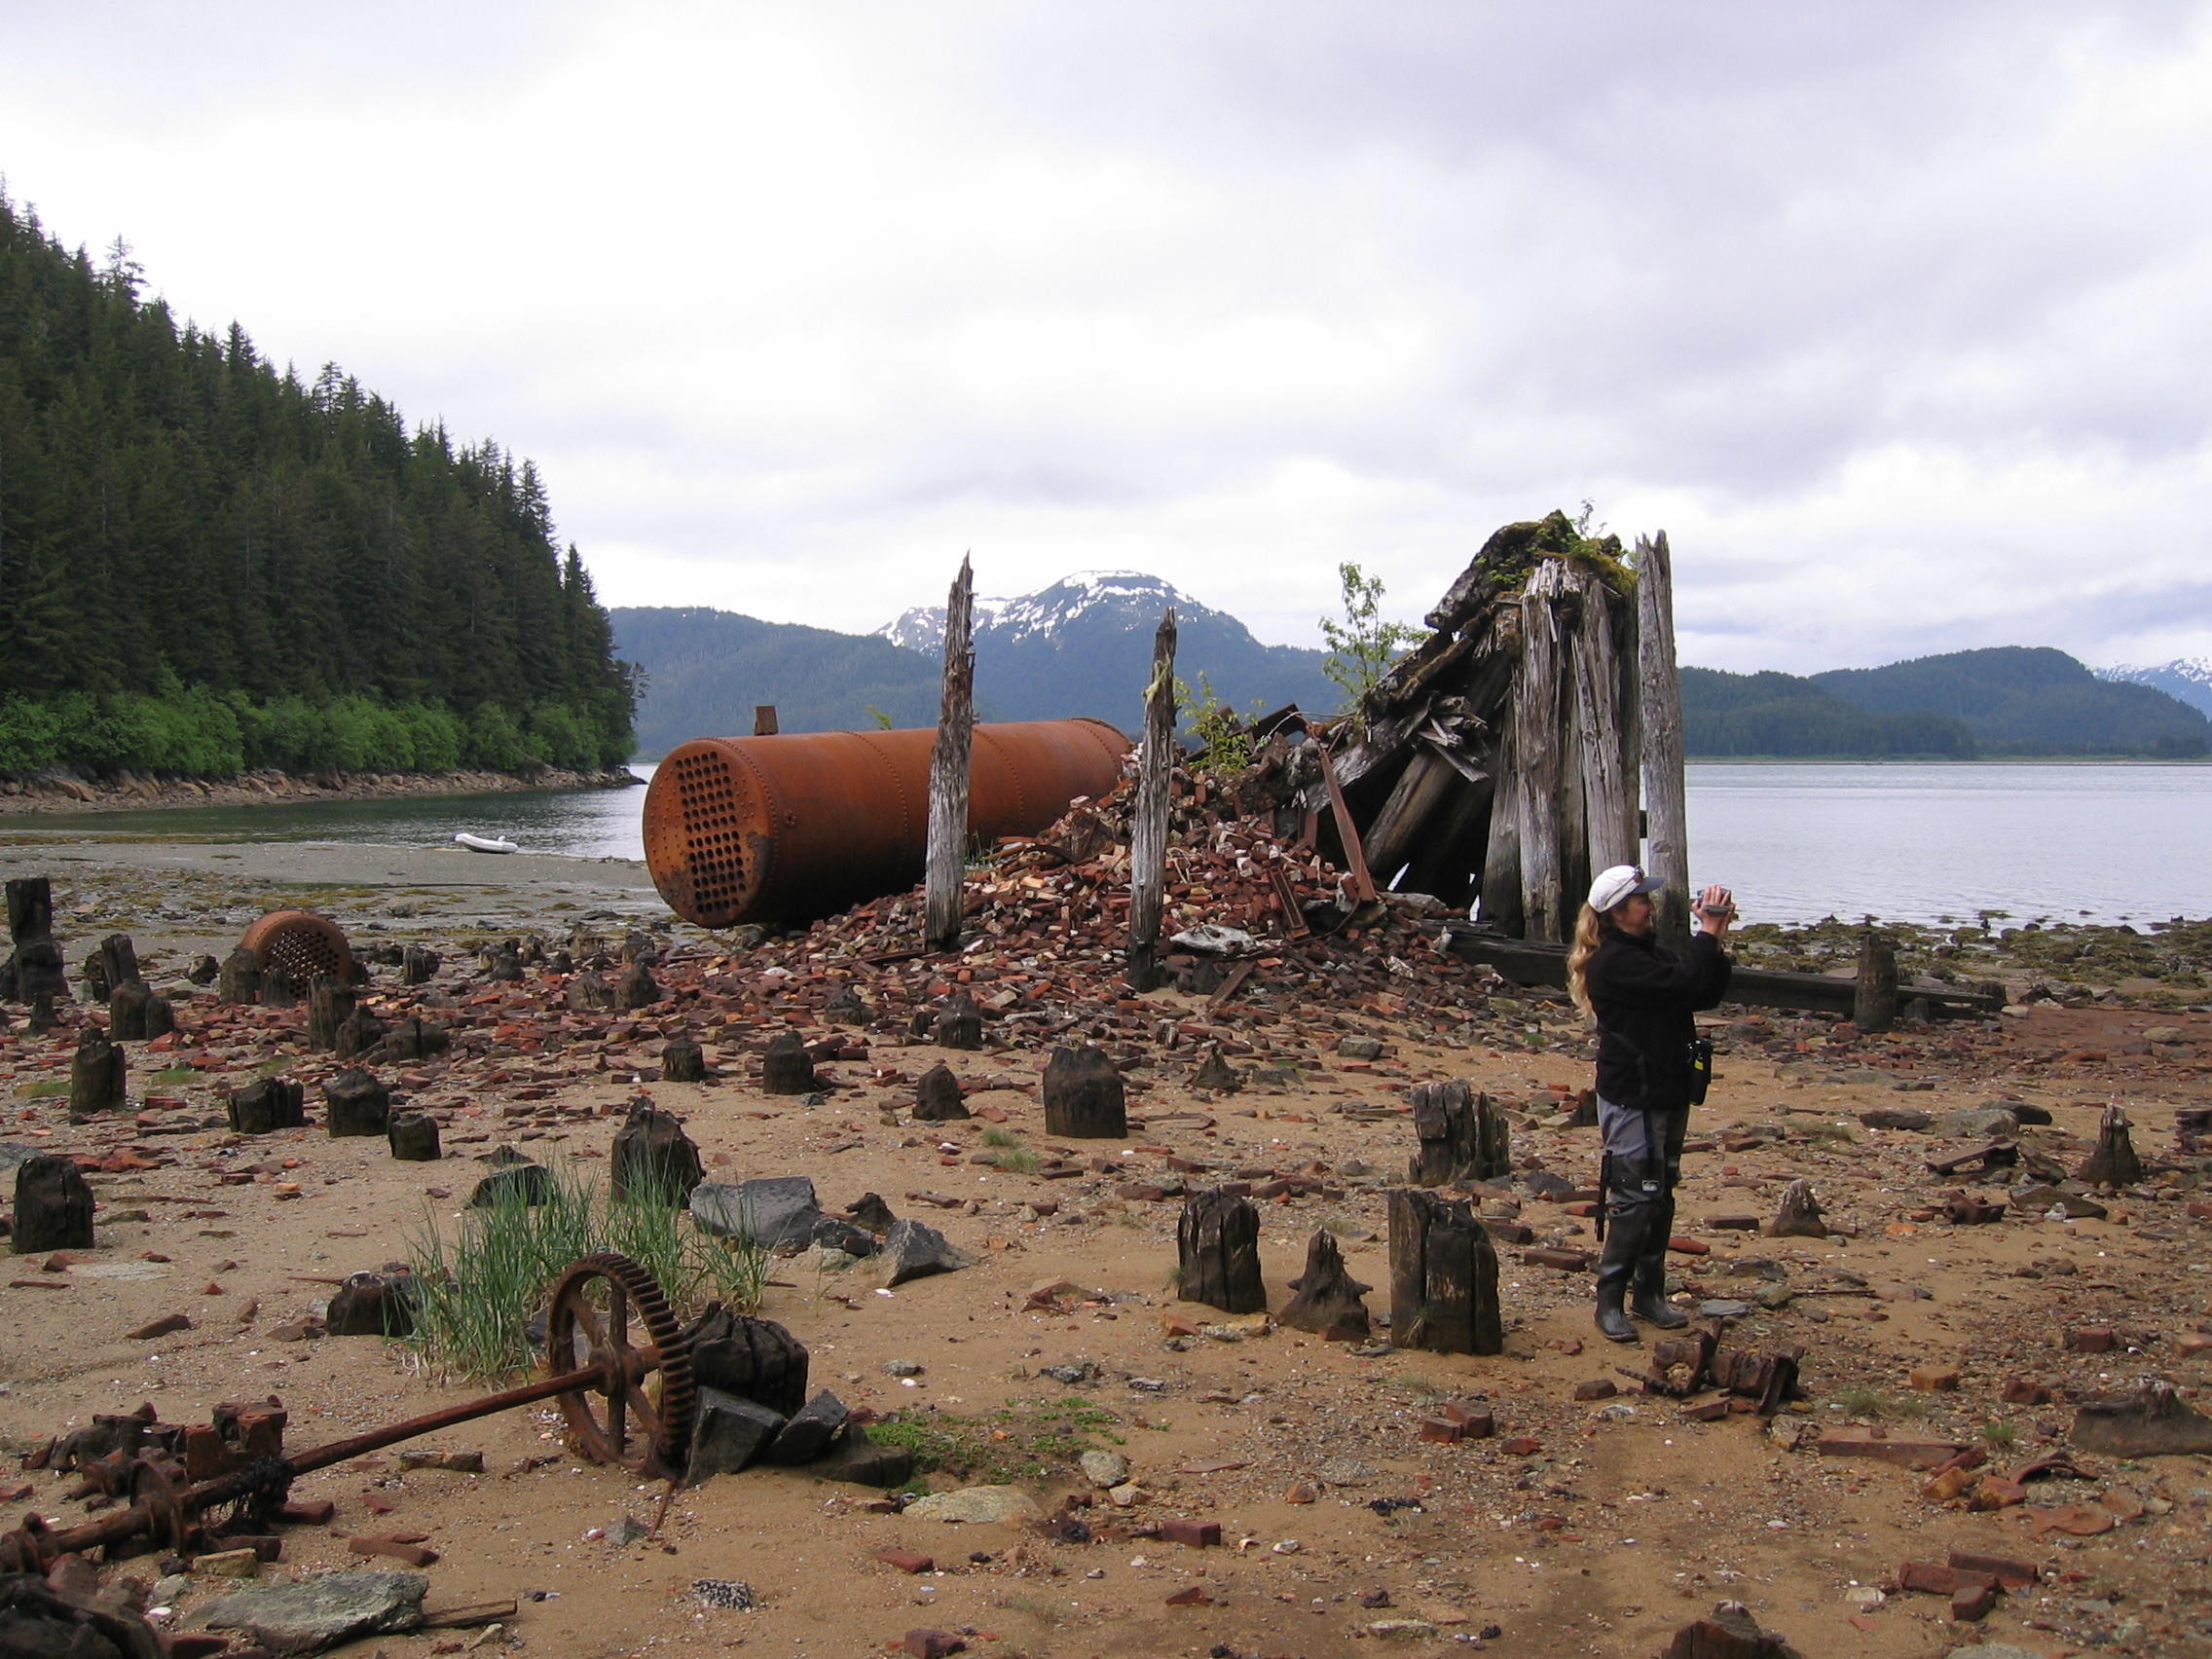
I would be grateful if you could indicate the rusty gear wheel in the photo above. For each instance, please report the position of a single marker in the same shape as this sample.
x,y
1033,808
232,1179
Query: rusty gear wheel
x,y
589,1324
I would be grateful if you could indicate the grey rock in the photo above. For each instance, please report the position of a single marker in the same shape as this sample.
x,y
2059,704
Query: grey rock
x,y
810,1433
1074,1373
731,1594
774,1211
901,1368
1104,1470
321,1613
1345,1471
1722,1308
912,1251
1896,1117
13,1153
1977,1123
978,1504
1360,1047
729,1434
626,1530
835,1232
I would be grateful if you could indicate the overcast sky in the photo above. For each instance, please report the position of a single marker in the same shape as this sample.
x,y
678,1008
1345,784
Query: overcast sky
x,y
1894,316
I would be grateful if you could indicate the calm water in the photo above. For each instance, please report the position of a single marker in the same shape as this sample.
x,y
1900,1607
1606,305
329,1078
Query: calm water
x,y
1919,842
1797,842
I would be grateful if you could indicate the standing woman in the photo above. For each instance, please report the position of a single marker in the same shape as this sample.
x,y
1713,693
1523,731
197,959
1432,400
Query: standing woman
x,y
1652,1068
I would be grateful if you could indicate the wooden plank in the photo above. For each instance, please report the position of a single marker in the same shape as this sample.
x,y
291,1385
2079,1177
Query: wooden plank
x,y
1426,782
1348,832
1500,891
1667,850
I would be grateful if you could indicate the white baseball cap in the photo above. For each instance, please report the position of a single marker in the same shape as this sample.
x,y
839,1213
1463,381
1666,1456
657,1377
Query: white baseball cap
x,y
1622,881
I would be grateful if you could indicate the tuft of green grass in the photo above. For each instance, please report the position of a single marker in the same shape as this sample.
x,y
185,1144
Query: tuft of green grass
x,y
1027,1440
1001,1137
176,1074
479,1285
1015,1160
2000,1436
1873,1403
46,1090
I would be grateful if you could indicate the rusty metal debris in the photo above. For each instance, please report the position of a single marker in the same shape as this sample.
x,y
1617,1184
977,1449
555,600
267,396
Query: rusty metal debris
x,y
303,945
194,1489
795,827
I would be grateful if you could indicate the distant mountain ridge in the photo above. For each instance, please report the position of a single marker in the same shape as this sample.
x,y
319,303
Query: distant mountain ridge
x,y
1084,647
2185,678
2028,700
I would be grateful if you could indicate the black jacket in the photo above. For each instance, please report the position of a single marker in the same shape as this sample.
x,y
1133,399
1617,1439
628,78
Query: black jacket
x,y
1643,995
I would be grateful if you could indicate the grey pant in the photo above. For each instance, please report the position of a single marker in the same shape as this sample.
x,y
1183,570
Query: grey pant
x,y
1638,1171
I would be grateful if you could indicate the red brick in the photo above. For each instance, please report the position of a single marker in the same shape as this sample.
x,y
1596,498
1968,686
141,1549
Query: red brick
x,y
933,1644
1198,1534
2093,1339
1191,1595
1442,1431
906,1561
1972,1603
2011,1574
398,1549
1521,1446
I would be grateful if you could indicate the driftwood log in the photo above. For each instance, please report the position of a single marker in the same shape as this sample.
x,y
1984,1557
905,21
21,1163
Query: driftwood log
x,y
1463,1137
1327,1298
1084,1099
1443,1276
1217,1250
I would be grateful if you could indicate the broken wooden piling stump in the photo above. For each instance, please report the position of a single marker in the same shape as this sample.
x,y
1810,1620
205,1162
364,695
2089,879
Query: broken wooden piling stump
x,y
1463,1137
97,1073
266,1105
1800,1213
2114,1163
53,1206
938,1097
1328,1299
1084,1095
1217,1246
414,1138
683,1060
652,1154
959,1024
238,981
787,1068
330,1003
138,1014
1443,1276
355,1103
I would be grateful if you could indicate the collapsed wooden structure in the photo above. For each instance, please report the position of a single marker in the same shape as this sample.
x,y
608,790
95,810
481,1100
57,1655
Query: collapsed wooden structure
x,y
1502,760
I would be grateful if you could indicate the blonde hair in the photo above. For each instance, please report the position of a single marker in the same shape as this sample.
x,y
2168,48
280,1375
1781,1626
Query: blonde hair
x,y
1589,933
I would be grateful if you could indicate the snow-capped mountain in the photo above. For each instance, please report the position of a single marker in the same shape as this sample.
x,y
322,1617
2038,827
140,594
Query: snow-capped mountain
x,y
1049,611
1084,647
2189,679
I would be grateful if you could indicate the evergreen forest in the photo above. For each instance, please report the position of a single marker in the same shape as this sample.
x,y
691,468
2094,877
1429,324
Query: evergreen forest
x,y
207,565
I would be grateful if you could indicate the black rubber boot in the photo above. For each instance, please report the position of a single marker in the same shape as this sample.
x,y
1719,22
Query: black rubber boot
x,y
1624,1243
1650,1301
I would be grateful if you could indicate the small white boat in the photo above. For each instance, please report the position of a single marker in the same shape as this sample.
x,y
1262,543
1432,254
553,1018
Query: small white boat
x,y
486,843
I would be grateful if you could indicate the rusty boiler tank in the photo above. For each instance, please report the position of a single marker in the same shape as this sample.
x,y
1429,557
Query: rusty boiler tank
x,y
797,826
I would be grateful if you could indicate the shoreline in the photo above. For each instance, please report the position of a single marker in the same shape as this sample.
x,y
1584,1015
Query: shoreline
x,y
62,792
